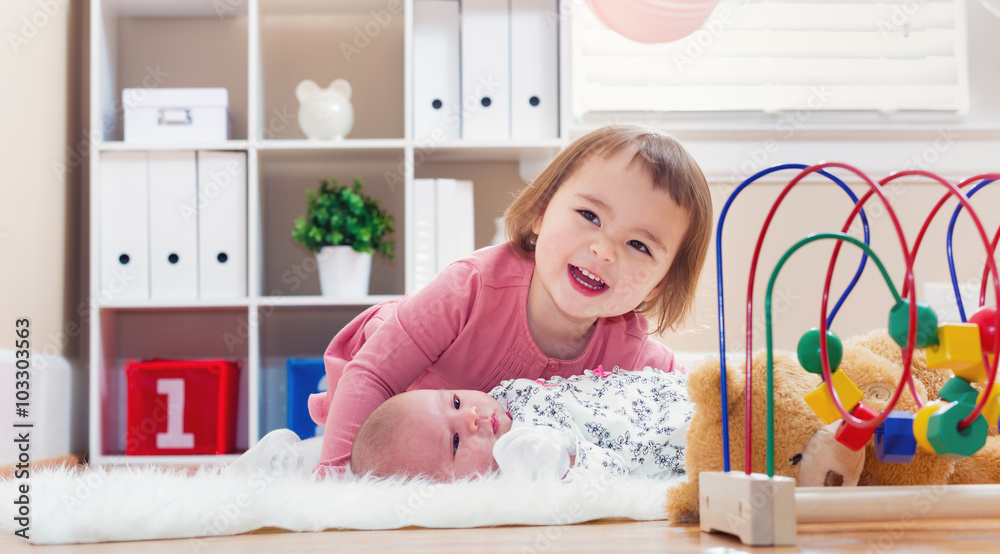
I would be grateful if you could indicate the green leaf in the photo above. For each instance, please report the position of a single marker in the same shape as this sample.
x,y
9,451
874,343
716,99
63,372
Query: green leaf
x,y
337,215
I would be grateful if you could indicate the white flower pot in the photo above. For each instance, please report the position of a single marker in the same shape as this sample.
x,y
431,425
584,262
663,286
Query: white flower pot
x,y
343,272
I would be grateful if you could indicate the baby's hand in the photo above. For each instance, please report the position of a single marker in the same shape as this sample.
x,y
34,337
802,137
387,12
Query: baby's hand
x,y
535,451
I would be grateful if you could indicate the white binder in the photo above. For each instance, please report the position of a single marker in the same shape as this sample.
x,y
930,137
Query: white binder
x,y
534,69
124,227
424,232
222,224
173,225
456,231
485,69
437,112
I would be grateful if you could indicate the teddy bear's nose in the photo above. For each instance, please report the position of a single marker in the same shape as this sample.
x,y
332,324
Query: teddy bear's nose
x,y
833,479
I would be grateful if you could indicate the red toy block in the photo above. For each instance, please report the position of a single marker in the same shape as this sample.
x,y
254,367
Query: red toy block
x,y
181,407
854,437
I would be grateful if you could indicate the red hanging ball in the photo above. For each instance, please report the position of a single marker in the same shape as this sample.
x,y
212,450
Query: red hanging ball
x,y
985,318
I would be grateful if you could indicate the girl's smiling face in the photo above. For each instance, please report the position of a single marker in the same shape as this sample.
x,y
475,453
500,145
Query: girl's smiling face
x,y
605,242
447,434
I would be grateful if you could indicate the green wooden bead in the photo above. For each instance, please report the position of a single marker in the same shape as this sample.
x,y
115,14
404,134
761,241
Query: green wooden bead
x,y
950,441
927,323
809,351
957,389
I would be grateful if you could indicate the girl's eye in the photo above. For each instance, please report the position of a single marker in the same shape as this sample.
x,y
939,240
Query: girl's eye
x,y
590,216
638,246
454,444
457,403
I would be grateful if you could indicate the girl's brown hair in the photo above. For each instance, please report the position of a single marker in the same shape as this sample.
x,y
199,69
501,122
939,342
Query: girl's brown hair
x,y
673,170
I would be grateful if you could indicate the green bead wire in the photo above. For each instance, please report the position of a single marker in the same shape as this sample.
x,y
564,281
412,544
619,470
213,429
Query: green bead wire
x,y
767,314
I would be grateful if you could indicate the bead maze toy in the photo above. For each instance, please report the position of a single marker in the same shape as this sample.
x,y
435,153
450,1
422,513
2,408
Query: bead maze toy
x,y
763,509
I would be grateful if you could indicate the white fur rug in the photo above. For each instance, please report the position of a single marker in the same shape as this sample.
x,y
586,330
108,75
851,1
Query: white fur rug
x,y
146,502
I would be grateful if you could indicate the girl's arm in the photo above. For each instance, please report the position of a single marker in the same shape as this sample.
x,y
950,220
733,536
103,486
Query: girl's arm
x,y
409,341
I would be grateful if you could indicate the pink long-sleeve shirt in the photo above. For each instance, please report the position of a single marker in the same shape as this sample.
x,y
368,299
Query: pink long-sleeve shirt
x,y
467,329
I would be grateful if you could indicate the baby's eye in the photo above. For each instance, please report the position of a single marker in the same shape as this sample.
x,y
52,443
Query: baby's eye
x,y
454,444
456,402
638,246
590,216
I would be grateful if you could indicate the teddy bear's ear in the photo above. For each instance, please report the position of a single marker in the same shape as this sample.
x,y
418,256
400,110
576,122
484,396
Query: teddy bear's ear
x,y
306,90
341,86
703,382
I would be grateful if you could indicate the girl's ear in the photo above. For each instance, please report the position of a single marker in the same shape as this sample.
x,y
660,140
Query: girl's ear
x,y
657,291
536,224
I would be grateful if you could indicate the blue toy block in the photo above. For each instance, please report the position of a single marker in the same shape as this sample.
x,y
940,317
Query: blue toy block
x,y
305,377
894,440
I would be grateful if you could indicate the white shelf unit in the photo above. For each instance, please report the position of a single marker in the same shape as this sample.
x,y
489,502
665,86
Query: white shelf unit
x,y
259,50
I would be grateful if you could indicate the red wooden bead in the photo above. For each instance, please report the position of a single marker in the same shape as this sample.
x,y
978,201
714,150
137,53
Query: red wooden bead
x,y
853,437
984,318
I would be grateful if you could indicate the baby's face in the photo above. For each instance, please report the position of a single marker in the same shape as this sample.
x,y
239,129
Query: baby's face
x,y
448,434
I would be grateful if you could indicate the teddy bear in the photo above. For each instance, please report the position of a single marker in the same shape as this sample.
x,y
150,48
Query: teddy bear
x,y
805,448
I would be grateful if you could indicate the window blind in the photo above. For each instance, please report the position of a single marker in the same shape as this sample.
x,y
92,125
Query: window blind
x,y
754,55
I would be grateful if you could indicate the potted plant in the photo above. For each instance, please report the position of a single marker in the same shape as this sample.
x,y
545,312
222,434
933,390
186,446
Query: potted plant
x,y
344,228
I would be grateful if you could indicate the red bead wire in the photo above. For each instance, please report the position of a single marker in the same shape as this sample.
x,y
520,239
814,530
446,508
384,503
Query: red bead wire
x,y
908,291
907,378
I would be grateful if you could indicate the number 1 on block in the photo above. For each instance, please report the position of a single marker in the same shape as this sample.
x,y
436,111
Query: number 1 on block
x,y
175,437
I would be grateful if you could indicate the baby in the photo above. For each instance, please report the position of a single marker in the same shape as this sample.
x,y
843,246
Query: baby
x,y
623,422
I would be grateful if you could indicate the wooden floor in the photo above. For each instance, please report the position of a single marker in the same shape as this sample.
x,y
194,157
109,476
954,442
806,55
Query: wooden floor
x,y
607,536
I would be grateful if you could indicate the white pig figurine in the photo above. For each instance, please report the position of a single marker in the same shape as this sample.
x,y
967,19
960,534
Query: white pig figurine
x,y
325,113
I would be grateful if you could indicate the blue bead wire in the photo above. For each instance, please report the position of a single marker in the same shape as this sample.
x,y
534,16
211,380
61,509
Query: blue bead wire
x,y
723,388
951,253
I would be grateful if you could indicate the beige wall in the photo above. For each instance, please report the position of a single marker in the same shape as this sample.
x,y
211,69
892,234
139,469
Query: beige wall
x,y
40,225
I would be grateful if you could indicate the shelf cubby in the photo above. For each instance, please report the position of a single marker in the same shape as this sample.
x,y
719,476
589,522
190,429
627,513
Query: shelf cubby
x,y
362,42
292,332
167,333
285,175
170,45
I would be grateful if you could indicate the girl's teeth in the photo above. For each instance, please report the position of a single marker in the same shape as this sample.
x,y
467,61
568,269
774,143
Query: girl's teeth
x,y
591,275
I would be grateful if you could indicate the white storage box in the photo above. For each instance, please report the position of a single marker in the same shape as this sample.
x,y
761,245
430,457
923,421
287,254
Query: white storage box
x,y
176,114
57,407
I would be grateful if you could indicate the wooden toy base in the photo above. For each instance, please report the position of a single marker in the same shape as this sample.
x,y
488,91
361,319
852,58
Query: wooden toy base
x,y
855,504
756,508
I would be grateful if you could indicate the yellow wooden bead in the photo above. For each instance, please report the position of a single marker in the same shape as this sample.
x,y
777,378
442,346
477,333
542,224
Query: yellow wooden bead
x,y
822,403
959,350
920,424
991,411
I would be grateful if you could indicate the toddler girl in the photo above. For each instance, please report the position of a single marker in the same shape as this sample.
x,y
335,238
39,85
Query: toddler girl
x,y
617,226
626,423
